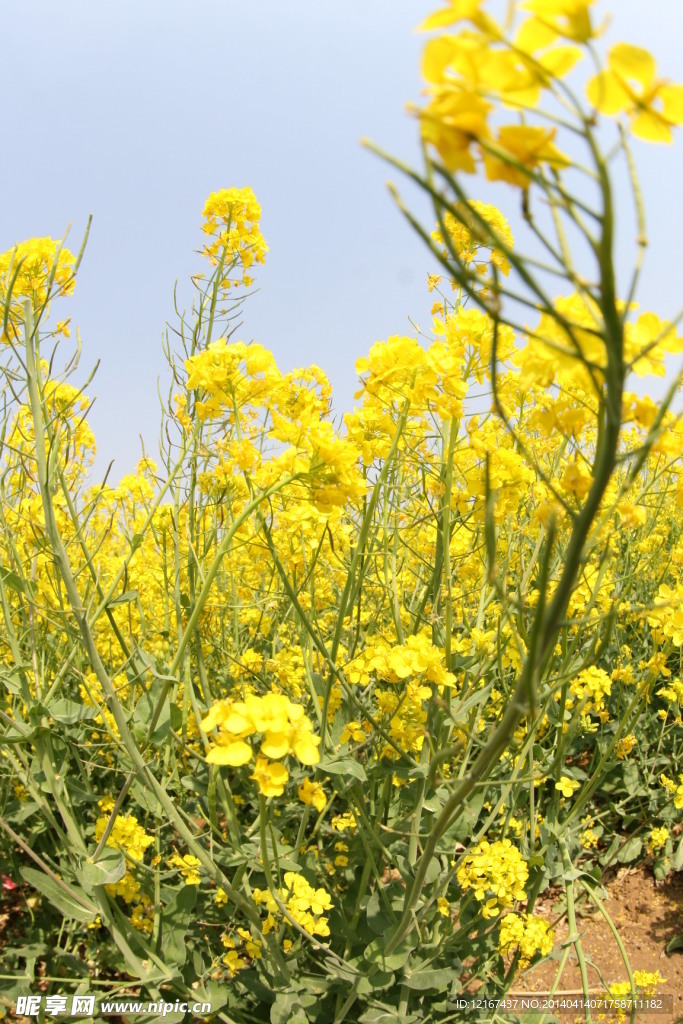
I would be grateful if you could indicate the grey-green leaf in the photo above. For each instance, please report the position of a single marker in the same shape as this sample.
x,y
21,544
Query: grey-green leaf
x,y
110,867
69,900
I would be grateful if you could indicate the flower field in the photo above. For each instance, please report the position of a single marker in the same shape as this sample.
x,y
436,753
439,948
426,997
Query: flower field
x,y
300,720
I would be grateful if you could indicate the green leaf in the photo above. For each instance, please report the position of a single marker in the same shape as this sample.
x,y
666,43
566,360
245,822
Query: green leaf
x,y
464,825
594,872
130,595
661,868
407,869
13,685
69,962
424,978
195,784
346,971
142,716
14,582
146,799
26,810
318,684
610,851
175,921
375,954
630,851
435,870
344,766
214,992
677,859
631,778
375,981
434,804
29,952
72,903
377,919
66,711
287,1010
387,1015
110,867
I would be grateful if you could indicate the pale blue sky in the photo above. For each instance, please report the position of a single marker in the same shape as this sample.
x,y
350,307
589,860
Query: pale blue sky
x,y
135,110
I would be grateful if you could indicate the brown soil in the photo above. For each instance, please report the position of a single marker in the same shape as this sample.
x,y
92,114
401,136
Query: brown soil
x,y
647,915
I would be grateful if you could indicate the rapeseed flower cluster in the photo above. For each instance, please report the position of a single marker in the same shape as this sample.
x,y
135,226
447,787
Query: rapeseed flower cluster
x,y
527,934
25,274
657,839
485,67
128,836
306,905
239,949
646,984
673,789
666,618
591,687
416,658
231,220
284,728
312,793
233,384
187,864
479,226
625,746
496,873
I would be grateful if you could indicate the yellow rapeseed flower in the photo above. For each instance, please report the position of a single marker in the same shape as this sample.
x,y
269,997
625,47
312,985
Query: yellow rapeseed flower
x,y
497,874
567,786
527,933
187,865
271,776
630,85
312,793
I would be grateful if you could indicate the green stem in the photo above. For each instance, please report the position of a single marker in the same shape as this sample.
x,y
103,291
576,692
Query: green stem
x,y
573,935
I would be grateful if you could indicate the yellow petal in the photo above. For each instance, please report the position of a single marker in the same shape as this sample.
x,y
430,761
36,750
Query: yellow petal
x,y
436,57
234,754
534,35
214,717
498,170
462,10
672,98
561,59
607,94
278,774
275,744
459,10
306,750
634,63
568,18
440,19
238,724
648,125
527,97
